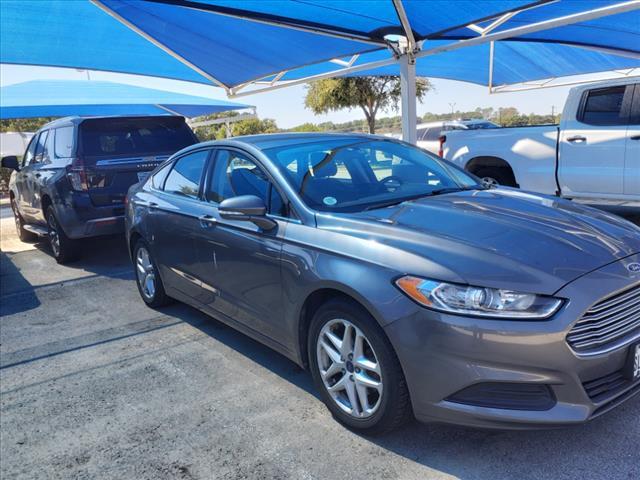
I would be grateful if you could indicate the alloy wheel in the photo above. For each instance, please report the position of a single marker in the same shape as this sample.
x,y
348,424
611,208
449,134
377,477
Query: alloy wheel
x,y
146,273
490,181
349,368
54,235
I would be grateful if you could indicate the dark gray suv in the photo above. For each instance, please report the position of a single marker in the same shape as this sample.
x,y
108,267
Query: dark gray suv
x,y
399,281
75,173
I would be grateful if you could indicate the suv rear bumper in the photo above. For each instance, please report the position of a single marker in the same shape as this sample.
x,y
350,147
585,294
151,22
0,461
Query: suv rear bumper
x,y
444,355
85,220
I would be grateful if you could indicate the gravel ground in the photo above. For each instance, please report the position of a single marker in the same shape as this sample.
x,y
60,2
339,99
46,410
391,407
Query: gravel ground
x,y
95,385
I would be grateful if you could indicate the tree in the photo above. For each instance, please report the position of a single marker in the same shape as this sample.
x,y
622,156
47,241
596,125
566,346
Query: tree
x,y
371,94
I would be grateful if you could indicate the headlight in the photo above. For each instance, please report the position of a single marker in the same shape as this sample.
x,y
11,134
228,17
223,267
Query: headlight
x,y
479,301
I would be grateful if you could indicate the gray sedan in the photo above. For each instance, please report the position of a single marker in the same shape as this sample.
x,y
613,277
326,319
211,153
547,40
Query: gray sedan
x,y
404,285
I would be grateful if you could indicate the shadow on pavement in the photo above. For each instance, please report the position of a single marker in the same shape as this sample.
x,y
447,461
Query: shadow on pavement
x,y
10,275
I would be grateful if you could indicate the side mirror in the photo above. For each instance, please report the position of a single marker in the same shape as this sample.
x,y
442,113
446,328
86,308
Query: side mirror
x,y
11,162
246,208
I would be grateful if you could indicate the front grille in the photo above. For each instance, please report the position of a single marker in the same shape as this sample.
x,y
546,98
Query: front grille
x,y
608,322
604,388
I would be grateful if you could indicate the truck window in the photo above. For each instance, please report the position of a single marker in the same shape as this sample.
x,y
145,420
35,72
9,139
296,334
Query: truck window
x,y
64,142
433,134
134,137
604,106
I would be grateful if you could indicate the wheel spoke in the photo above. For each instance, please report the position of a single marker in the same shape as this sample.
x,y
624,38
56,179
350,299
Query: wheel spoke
x,y
331,353
347,341
338,386
337,343
366,364
333,369
352,395
367,381
362,397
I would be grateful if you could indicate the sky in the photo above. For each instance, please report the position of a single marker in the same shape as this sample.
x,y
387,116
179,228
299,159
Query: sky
x,y
286,106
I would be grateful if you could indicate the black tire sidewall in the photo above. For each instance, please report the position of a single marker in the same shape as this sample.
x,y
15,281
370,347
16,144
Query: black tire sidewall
x,y
68,248
498,174
384,352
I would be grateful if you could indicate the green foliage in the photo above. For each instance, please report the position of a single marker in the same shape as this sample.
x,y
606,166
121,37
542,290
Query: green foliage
x,y
23,124
306,127
371,94
251,126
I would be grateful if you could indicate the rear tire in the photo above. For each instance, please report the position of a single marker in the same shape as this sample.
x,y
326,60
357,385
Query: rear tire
x,y
148,279
23,235
363,386
496,176
63,248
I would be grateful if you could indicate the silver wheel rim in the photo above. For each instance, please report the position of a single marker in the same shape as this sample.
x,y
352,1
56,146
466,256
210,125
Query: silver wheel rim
x,y
490,181
145,273
349,368
54,236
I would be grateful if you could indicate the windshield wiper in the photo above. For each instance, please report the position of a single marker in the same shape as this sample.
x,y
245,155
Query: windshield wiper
x,y
396,201
441,191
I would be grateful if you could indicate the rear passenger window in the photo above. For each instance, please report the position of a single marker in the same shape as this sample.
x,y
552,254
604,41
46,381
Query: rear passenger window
x,y
64,142
604,107
184,178
157,179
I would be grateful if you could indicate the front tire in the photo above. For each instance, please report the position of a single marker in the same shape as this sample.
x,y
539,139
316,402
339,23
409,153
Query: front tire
x,y
23,235
356,370
148,279
63,248
495,176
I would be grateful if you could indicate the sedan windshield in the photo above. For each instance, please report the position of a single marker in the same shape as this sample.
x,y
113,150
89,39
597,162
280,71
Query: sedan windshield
x,y
351,174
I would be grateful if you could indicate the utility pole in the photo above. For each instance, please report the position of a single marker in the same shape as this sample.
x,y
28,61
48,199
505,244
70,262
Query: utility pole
x,y
453,106
553,113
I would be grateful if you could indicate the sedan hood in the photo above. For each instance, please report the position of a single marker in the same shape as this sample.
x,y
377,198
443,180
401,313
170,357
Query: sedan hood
x,y
502,238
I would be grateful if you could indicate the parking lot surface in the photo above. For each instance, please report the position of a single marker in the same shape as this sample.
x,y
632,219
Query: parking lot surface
x,y
93,384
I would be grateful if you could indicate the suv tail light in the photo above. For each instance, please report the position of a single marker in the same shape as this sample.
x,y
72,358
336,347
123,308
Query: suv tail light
x,y
82,179
442,139
77,175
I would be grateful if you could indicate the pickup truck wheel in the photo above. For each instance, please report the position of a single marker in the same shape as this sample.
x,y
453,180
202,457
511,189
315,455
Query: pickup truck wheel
x,y
496,176
63,248
23,235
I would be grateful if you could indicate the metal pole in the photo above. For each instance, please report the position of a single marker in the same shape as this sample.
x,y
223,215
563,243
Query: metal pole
x,y
408,98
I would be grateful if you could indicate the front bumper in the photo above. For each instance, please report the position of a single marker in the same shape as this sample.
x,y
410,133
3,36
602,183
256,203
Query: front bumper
x,y
442,355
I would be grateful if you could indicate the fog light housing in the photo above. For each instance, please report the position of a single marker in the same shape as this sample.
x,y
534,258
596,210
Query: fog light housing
x,y
508,396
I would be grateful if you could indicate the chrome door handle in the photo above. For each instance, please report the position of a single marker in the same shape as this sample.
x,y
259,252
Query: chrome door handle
x,y
577,139
152,204
207,221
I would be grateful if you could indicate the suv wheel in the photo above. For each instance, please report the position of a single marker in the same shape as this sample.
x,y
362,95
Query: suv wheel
x,y
23,235
147,278
356,370
63,248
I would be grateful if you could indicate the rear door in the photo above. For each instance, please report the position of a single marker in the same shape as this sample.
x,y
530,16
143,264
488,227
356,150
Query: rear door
x,y
632,152
176,222
592,146
119,152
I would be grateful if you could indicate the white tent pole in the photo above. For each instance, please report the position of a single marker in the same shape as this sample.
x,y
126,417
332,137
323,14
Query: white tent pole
x,y
408,98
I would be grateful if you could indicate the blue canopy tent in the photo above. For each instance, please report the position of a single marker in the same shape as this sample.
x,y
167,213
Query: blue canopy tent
x,y
59,98
257,45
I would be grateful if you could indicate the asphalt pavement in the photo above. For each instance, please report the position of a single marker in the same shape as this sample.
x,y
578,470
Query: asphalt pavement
x,y
93,384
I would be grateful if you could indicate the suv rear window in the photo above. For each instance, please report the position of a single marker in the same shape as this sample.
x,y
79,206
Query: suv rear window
x,y
116,137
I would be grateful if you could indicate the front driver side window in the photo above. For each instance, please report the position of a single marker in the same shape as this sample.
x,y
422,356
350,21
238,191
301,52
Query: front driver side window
x,y
28,155
235,174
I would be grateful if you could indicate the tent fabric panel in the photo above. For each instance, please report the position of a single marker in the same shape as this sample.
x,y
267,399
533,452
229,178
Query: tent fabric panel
x,y
619,32
244,50
71,34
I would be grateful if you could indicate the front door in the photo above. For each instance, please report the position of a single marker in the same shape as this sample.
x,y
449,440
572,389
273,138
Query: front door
x,y
25,178
592,146
175,217
239,262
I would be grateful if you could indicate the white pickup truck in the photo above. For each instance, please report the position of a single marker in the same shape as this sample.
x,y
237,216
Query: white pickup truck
x,y
593,156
